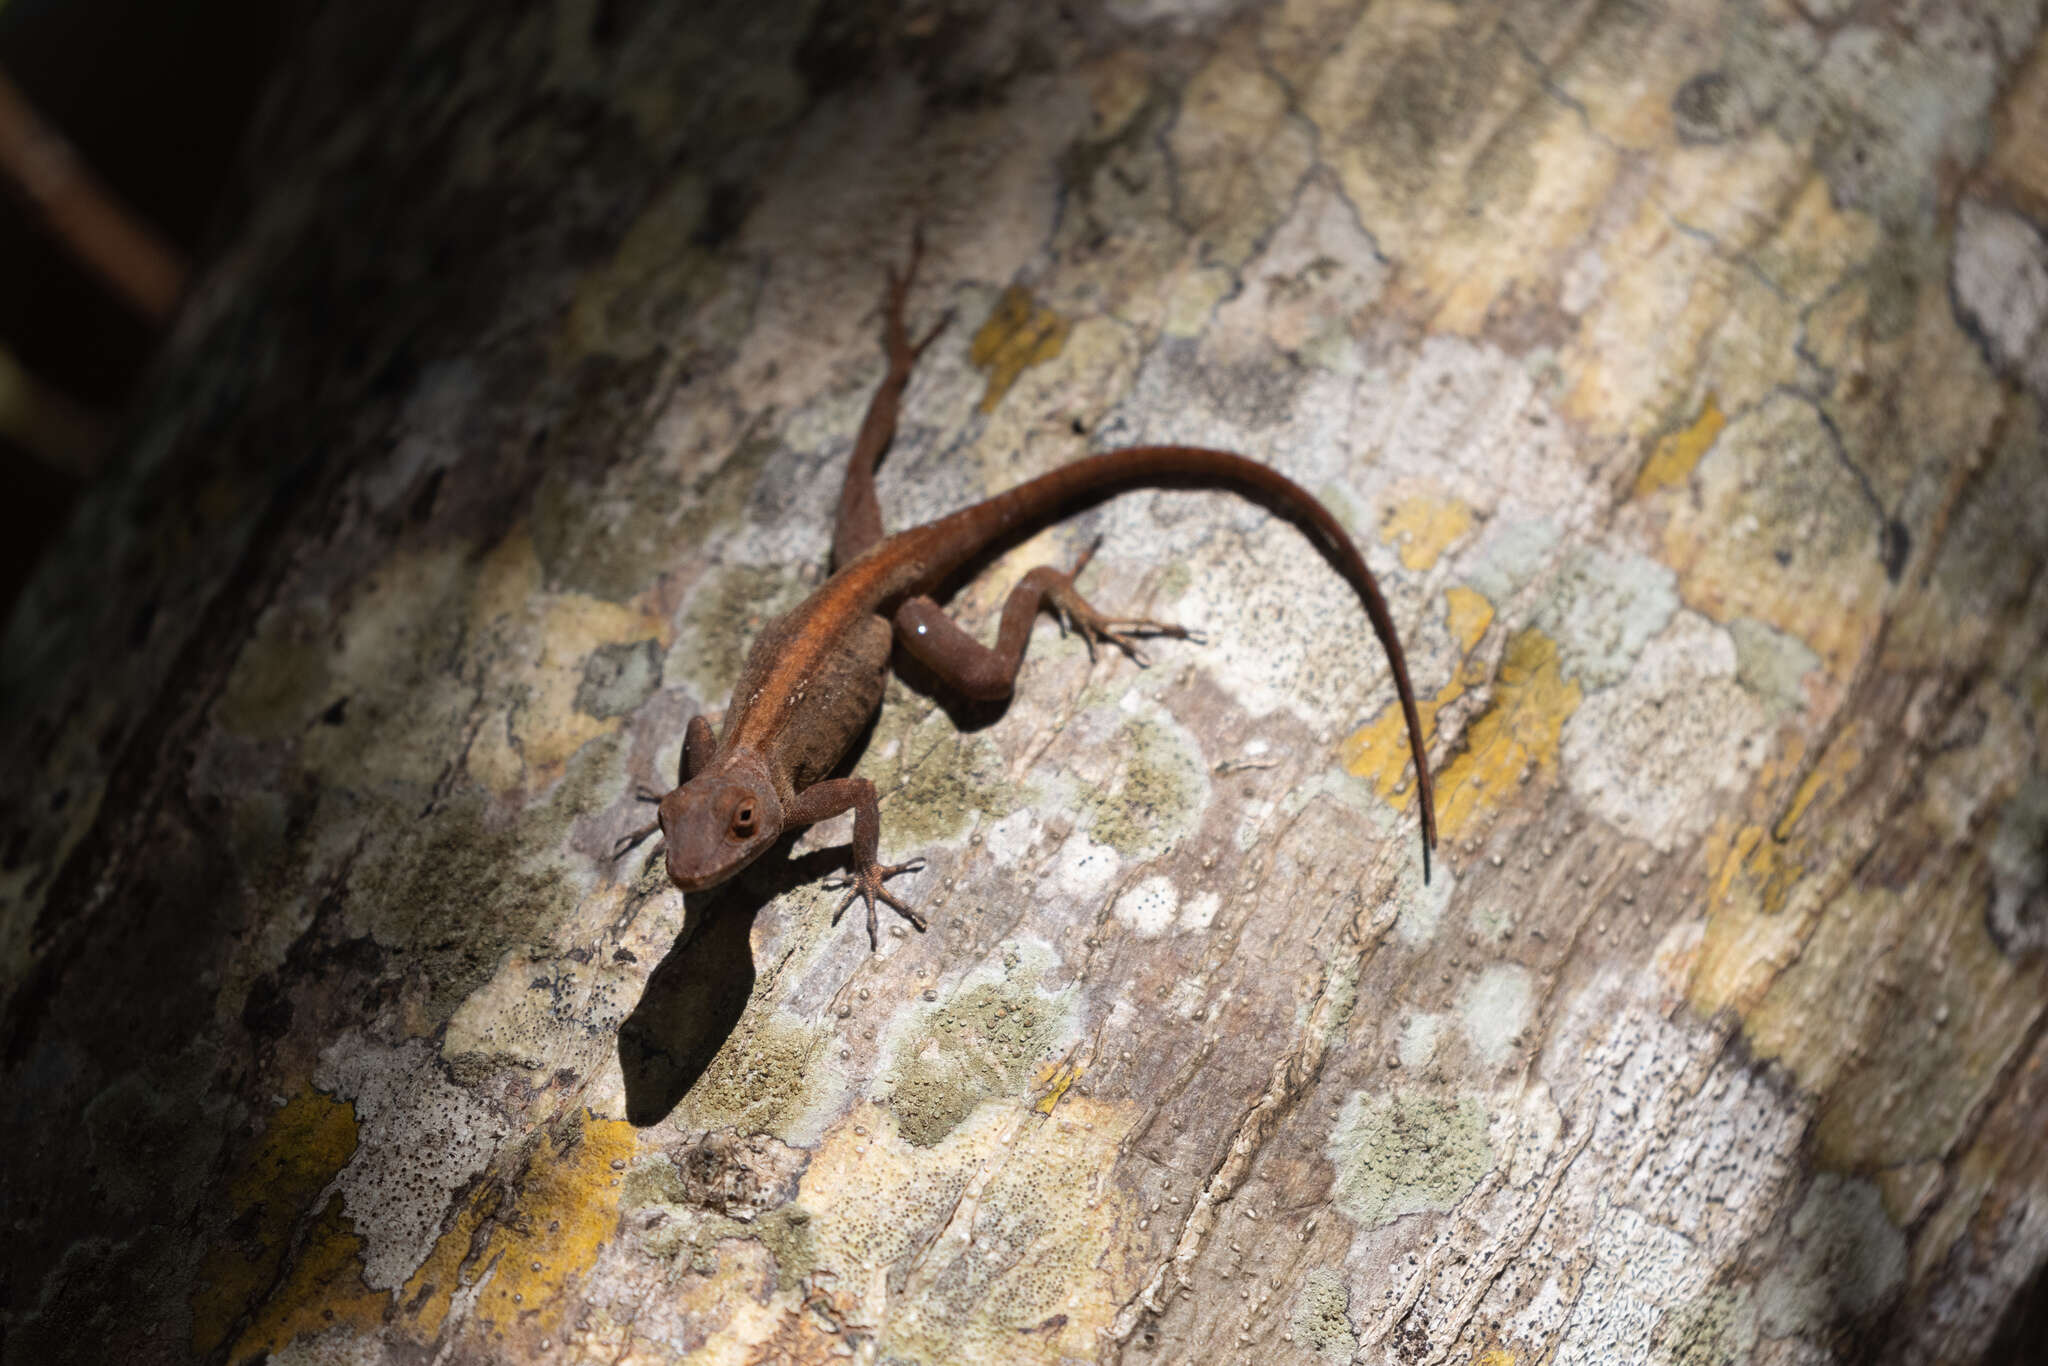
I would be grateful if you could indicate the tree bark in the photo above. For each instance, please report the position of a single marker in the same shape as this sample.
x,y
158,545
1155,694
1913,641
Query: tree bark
x,y
1681,368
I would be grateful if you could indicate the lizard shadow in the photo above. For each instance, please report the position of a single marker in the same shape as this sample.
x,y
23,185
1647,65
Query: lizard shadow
x,y
695,996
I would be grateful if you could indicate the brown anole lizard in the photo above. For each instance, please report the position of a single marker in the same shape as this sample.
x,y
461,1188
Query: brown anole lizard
x,y
815,677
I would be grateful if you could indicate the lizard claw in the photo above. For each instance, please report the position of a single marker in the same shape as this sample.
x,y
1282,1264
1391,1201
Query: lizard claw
x,y
867,885
625,842
1122,633
644,793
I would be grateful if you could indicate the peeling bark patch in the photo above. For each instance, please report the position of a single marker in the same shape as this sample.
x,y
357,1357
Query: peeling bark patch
x,y
1649,753
421,1141
1407,1154
1322,1316
988,1040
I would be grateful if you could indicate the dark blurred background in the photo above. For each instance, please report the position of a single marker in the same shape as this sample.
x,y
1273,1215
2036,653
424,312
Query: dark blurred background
x,y
152,100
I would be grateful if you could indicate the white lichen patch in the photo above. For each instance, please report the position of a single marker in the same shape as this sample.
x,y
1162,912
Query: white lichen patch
x,y
1419,1036
1149,907
421,1140
1651,753
1495,1010
1200,912
1085,869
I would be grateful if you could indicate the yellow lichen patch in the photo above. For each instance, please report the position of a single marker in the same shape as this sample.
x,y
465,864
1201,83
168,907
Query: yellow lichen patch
x,y
1423,527
430,1291
1379,750
1469,616
303,1146
1671,463
1832,772
1018,335
323,1290
1055,1078
1765,868
902,1231
1499,1356
1516,734
548,1234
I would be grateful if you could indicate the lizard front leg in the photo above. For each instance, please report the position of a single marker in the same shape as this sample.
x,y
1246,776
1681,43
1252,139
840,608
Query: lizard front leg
x,y
822,801
986,674
698,745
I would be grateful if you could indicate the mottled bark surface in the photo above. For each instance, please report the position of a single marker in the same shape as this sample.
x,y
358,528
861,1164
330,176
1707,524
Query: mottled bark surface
x,y
1681,368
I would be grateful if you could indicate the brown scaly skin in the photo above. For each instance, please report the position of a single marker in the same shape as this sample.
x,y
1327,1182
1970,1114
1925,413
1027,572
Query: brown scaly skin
x,y
814,677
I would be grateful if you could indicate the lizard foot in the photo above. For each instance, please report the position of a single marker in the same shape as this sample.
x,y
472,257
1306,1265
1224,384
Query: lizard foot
x,y
867,885
1077,613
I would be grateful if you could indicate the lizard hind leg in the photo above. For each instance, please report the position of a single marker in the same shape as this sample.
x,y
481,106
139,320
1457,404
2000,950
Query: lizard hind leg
x,y
988,674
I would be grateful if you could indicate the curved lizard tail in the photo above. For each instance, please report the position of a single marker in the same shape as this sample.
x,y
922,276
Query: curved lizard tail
x,y
1091,480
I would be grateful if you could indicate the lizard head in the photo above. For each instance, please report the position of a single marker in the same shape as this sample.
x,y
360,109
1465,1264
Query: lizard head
x,y
719,822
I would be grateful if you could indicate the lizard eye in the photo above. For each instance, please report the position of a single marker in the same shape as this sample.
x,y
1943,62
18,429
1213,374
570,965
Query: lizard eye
x,y
743,821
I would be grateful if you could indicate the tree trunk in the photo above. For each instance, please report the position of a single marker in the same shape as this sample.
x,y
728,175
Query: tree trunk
x,y
1681,369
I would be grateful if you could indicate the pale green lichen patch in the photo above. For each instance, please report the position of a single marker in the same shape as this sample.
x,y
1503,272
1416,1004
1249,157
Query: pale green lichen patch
x,y
457,888
988,1039
998,1243
1717,1328
668,1226
768,1078
1602,610
1771,663
1322,1316
1407,1154
610,537
934,781
618,677
1845,1257
1157,791
725,614
280,681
